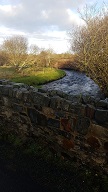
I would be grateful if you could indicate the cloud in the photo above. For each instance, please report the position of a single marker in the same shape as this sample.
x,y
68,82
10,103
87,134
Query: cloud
x,y
42,20
40,14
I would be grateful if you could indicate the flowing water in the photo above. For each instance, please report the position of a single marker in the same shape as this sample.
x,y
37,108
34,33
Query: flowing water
x,y
75,83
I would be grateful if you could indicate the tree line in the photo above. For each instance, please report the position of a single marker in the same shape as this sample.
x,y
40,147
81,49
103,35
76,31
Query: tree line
x,y
15,52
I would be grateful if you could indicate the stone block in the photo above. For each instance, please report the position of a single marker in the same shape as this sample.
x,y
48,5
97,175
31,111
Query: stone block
x,y
53,123
19,94
52,93
101,116
1,81
59,93
25,96
10,93
36,118
1,102
4,82
65,124
106,146
40,99
93,142
37,107
90,111
83,125
24,119
42,90
74,123
20,85
41,119
102,104
106,99
88,100
56,103
48,112
65,134
68,144
75,98
14,92
65,105
65,96
6,89
76,109
1,89
53,102
32,113
83,110
6,102
99,131
60,114
17,108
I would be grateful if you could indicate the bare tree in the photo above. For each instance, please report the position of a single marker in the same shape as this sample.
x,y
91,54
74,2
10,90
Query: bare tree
x,y
34,49
45,58
3,58
90,43
16,48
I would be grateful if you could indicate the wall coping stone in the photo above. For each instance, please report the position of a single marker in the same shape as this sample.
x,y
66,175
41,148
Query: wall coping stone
x,y
55,99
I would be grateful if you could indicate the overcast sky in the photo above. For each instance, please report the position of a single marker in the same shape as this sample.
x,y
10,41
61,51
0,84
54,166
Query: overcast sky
x,y
44,22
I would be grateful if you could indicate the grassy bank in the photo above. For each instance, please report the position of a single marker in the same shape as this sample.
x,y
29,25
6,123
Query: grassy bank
x,y
42,77
31,77
33,157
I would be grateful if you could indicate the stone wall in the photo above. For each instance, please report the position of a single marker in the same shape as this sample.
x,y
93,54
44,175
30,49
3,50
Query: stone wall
x,y
73,126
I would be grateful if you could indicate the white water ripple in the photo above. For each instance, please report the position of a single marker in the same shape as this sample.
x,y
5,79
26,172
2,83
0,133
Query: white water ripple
x,y
75,83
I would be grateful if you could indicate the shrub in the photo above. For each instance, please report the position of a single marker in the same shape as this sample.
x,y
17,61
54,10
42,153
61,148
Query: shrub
x,y
90,43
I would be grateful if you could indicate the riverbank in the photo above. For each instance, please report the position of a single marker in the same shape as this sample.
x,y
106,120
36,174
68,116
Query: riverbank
x,y
42,77
70,82
34,162
31,76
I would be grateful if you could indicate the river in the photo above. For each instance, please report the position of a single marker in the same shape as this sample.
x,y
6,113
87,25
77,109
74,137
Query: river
x,y
75,83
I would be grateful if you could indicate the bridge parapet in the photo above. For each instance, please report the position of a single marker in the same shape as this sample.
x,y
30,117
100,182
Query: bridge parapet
x,y
75,126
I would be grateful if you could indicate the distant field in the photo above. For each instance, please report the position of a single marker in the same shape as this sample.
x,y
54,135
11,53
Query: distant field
x,y
30,76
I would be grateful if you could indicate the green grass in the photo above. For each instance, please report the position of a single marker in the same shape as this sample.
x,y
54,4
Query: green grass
x,y
41,77
31,76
